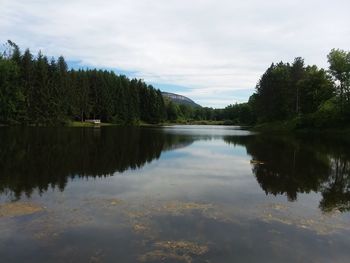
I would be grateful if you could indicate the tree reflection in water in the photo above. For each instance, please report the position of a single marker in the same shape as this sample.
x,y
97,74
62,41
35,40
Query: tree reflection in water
x,y
292,165
39,158
36,159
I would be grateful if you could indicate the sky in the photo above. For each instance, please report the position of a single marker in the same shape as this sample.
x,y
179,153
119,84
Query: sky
x,y
213,51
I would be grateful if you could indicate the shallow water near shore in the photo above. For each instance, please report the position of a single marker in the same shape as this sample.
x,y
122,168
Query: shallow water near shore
x,y
172,194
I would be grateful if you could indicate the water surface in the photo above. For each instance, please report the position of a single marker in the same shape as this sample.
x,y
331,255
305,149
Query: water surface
x,y
172,194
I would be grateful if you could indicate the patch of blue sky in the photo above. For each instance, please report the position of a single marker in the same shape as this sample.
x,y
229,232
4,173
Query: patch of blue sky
x,y
76,64
218,146
174,154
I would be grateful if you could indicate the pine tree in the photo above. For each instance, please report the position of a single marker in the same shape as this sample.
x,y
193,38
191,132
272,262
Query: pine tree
x,y
11,96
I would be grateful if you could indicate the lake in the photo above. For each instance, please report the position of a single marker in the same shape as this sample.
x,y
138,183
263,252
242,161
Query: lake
x,y
172,194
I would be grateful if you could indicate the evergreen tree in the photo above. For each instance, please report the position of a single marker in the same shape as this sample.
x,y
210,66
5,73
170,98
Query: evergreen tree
x,y
11,96
27,76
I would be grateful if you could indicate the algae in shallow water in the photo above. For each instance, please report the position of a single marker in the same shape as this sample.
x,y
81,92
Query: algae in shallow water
x,y
182,246
182,251
140,228
321,224
19,209
160,255
180,207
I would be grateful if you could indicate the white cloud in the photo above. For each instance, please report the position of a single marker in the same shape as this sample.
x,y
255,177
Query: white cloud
x,y
213,47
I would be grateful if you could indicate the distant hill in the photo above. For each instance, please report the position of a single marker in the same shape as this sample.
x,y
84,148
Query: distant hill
x,y
179,99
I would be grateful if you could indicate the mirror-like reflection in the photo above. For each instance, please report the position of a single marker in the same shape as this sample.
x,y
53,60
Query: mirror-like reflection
x,y
292,165
172,194
35,158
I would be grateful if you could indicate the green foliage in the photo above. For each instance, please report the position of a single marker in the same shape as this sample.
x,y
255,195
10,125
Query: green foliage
x,y
276,93
39,91
42,92
339,67
315,89
172,111
304,97
11,95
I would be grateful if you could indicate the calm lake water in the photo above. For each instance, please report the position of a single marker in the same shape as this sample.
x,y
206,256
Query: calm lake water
x,y
172,194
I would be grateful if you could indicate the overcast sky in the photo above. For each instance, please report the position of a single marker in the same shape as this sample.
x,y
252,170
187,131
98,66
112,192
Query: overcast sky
x,y
213,51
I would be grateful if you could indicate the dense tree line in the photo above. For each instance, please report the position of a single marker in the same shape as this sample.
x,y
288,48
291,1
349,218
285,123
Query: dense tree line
x,y
303,96
232,114
182,112
309,96
36,90
287,90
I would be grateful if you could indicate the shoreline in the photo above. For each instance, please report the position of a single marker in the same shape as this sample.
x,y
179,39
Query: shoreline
x,y
270,127
290,128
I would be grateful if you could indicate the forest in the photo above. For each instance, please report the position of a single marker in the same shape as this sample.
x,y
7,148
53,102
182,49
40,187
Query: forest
x,y
39,91
36,90
297,96
289,96
305,96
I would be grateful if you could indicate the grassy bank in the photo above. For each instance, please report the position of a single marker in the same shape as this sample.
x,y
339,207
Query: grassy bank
x,y
195,122
140,124
186,122
293,126
87,124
